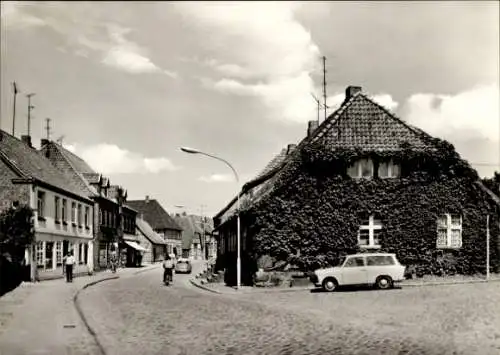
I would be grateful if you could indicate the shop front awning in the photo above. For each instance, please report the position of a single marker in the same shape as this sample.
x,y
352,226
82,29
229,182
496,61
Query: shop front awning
x,y
135,246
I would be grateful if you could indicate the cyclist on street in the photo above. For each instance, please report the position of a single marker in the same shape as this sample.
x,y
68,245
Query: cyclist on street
x,y
168,267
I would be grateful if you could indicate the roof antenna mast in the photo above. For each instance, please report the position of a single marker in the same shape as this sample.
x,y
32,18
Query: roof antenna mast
x,y
324,85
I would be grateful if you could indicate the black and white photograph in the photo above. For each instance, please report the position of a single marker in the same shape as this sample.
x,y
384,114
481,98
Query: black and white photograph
x,y
250,177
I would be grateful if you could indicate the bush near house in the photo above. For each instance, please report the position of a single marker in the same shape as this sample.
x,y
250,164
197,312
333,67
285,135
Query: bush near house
x,y
315,210
16,233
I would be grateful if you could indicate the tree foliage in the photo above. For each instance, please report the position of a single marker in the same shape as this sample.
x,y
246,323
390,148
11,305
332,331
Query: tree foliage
x,y
16,231
315,210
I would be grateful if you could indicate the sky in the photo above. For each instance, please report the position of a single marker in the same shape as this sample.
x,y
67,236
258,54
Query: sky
x,y
128,83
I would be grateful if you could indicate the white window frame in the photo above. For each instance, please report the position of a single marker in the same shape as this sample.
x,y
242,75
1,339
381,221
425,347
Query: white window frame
x,y
449,228
40,254
393,170
355,170
64,210
87,216
41,203
57,208
59,250
73,212
371,227
79,215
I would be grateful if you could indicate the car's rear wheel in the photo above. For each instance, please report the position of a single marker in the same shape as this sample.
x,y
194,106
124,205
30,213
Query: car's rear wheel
x,y
330,284
384,282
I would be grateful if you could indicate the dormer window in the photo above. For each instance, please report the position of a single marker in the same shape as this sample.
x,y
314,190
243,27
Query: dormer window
x,y
388,169
361,169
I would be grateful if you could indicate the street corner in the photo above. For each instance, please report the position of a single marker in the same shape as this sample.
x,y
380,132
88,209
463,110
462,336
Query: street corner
x,y
197,283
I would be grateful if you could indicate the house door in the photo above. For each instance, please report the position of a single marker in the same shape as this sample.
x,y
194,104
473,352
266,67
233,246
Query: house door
x,y
65,247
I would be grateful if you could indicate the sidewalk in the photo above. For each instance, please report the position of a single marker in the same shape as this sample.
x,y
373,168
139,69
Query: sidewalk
x,y
41,318
221,288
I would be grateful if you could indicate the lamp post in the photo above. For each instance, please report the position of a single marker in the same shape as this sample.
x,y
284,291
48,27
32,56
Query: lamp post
x,y
238,236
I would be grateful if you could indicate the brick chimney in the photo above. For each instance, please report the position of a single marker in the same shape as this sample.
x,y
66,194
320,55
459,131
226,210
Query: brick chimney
x,y
311,127
147,198
27,139
290,148
351,91
44,142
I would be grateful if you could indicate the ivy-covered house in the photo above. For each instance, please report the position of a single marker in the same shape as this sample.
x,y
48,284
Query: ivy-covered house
x,y
363,180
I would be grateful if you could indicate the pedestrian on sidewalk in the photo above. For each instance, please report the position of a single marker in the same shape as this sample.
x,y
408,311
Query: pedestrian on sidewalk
x,y
70,261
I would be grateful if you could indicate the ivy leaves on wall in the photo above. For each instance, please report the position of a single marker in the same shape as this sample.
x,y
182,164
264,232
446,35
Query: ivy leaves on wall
x,y
315,209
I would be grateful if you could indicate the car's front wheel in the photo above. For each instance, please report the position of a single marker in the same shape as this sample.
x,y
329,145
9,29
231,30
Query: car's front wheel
x,y
384,282
329,284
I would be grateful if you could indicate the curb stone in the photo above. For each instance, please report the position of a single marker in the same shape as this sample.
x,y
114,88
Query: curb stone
x,y
297,289
82,315
274,290
447,283
204,288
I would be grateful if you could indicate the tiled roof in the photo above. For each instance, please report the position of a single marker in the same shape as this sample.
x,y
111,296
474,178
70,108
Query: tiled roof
x,y
255,185
154,214
78,163
63,160
92,178
32,164
273,164
363,124
148,232
190,230
359,123
75,169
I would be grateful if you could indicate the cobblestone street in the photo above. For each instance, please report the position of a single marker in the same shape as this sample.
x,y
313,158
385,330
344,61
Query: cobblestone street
x,y
140,316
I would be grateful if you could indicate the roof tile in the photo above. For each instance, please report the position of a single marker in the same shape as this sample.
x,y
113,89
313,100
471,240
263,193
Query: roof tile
x,y
34,164
154,214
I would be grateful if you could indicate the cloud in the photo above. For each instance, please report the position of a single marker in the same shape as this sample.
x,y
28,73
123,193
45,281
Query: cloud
x,y
475,110
469,120
217,178
13,14
111,159
260,50
125,54
385,100
88,28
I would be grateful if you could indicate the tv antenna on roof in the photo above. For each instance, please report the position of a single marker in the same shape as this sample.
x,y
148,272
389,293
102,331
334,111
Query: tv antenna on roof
x,y
324,84
318,103
30,107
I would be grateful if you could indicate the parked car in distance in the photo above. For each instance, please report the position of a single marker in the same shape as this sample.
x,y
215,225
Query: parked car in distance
x,y
183,266
378,269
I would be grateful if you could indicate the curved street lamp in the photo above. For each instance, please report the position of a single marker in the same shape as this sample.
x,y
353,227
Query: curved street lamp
x,y
238,236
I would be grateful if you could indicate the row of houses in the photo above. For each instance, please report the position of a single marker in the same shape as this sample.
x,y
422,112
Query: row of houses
x,y
78,209
363,180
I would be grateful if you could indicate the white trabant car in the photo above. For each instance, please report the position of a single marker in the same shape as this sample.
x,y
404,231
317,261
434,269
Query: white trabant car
x,y
379,269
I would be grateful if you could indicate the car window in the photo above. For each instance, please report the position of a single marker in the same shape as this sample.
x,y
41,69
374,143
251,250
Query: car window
x,y
355,262
380,260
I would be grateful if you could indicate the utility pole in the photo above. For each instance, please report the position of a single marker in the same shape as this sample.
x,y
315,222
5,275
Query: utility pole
x,y
324,84
47,127
205,249
121,197
30,107
487,247
15,92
